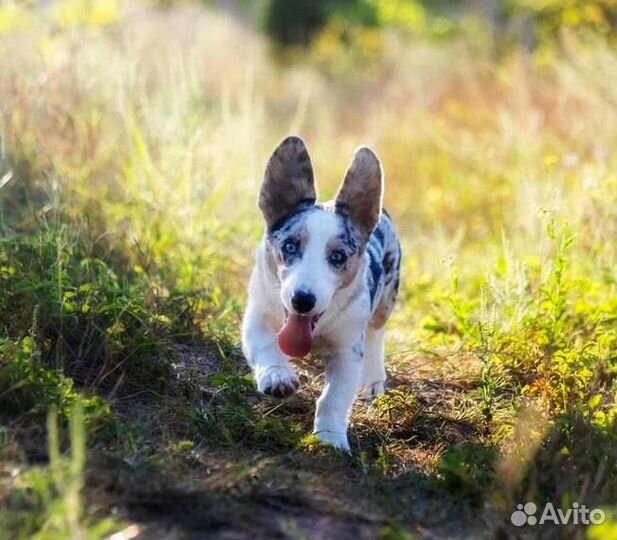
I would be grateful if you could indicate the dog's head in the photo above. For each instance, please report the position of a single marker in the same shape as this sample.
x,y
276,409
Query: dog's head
x,y
316,250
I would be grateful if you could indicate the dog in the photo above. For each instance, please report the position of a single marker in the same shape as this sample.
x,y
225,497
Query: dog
x,y
325,281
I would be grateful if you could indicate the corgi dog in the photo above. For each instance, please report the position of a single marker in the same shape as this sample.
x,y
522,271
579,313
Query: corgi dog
x,y
325,282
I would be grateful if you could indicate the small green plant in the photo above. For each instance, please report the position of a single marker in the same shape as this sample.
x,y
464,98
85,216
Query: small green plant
x,y
491,381
468,470
395,532
29,388
227,414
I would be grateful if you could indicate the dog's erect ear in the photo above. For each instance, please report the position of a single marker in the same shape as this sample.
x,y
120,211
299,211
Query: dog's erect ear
x,y
288,182
361,193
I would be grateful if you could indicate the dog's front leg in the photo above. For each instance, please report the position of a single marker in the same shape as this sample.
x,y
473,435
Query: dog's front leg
x,y
273,372
334,405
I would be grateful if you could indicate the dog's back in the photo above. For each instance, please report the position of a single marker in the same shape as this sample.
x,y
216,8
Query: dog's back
x,y
384,252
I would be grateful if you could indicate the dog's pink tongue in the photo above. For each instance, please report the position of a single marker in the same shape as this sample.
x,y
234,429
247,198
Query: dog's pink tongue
x,y
296,336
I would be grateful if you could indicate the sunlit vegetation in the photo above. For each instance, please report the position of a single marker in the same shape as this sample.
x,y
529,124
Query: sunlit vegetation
x,y
133,140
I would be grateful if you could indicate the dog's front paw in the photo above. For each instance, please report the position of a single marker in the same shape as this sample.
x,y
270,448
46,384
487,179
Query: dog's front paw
x,y
277,381
336,440
372,390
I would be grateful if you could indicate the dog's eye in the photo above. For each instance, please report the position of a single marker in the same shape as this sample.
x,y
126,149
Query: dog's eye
x,y
337,257
289,247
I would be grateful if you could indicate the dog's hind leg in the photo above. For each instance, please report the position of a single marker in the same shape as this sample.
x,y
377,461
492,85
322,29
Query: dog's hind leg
x,y
373,379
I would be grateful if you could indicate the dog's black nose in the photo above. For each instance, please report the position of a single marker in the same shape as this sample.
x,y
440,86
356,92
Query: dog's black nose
x,y
303,301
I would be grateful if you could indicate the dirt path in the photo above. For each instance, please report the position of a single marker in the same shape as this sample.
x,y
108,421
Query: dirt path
x,y
210,487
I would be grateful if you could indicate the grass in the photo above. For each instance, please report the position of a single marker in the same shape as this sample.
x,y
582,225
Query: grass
x,y
130,159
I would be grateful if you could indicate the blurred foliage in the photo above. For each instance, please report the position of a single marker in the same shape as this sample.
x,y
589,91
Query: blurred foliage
x,y
551,16
46,502
65,13
295,23
299,23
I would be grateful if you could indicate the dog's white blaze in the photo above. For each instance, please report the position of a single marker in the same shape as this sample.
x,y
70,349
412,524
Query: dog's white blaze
x,y
312,272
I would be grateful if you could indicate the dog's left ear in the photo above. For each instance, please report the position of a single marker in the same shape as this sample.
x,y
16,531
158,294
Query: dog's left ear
x,y
289,182
360,195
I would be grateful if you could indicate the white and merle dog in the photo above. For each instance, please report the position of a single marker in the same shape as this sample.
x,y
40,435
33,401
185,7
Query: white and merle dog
x,y
325,281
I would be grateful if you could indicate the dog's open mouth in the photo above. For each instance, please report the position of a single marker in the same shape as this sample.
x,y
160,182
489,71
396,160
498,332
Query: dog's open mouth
x,y
296,336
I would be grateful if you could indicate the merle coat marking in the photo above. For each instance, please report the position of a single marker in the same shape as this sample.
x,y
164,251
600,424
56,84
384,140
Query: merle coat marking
x,y
335,265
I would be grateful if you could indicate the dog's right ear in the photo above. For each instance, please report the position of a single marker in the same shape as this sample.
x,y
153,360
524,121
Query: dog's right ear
x,y
288,183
